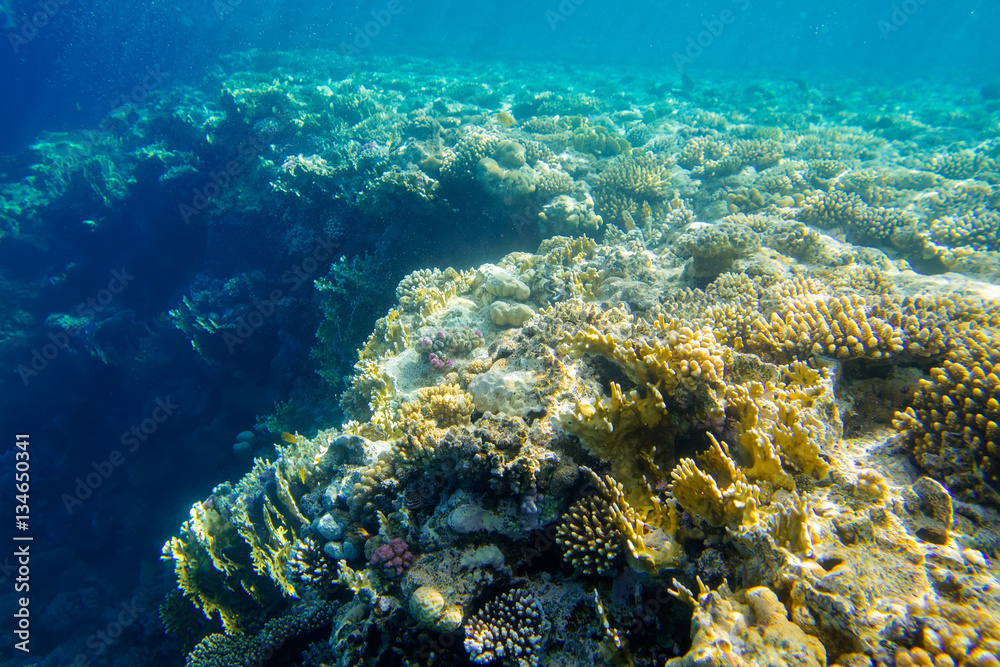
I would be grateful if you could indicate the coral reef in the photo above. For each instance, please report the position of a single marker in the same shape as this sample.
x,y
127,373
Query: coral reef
x,y
691,379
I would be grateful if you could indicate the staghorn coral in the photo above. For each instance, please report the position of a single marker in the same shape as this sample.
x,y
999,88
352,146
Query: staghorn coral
x,y
512,629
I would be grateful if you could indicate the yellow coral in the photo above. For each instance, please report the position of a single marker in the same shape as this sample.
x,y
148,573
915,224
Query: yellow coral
x,y
722,498
648,529
842,327
446,405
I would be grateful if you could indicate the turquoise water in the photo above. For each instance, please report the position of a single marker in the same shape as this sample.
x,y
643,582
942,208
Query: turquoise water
x,y
580,232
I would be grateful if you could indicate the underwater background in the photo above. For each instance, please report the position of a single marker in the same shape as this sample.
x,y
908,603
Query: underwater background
x,y
207,208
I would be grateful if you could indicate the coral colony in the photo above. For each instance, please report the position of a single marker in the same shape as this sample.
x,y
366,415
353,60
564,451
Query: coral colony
x,y
737,404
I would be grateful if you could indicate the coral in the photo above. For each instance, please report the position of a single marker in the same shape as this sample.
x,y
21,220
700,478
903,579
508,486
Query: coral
x,y
979,230
588,536
502,390
931,510
505,314
709,396
638,135
952,427
631,186
394,556
461,162
734,504
309,566
648,529
714,248
847,209
669,364
278,639
791,525
784,425
426,291
428,608
814,323
761,153
426,604
946,633
725,632
442,405
708,157
599,141
181,619
500,283
961,165
511,629
568,216
505,182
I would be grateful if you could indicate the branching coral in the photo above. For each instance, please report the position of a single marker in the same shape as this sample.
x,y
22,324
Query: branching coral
x,y
588,536
953,427
647,528
841,327
511,629
723,495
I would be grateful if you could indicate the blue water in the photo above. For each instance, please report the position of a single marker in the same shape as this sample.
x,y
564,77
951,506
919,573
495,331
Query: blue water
x,y
69,66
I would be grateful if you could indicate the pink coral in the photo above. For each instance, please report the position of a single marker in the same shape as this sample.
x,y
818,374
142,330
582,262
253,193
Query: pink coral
x,y
395,556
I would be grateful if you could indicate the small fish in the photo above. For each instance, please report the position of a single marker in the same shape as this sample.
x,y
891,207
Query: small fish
x,y
288,437
505,119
